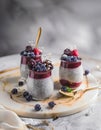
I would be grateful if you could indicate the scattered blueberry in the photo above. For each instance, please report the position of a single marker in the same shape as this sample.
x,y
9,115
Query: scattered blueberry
x,y
25,94
51,104
86,72
29,98
64,89
37,107
20,83
14,91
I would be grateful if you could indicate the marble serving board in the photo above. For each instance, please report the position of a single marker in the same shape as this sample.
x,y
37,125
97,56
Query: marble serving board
x,y
64,105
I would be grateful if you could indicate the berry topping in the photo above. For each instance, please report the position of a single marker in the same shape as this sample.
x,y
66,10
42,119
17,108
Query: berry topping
x,y
40,66
70,55
14,91
31,63
73,58
86,72
28,48
37,51
75,52
66,89
67,51
37,107
51,104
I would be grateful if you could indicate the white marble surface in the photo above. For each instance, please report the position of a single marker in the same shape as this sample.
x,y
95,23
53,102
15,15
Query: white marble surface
x,y
89,119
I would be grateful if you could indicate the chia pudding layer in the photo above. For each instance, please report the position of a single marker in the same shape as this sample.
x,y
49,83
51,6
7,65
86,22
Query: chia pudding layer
x,y
71,70
69,75
40,84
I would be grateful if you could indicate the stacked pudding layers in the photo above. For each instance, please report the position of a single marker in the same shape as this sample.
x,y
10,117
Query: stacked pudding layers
x,y
71,71
37,73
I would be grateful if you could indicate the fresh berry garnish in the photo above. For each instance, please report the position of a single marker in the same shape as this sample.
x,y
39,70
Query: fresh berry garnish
x,y
51,104
63,88
73,58
86,72
31,63
29,98
64,57
28,48
66,89
75,52
67,51
37,51
37,107
25,94
14,91
69,89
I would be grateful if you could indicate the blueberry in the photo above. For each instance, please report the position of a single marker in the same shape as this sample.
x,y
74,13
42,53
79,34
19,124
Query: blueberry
x,y
24,53
25,94
14,91
20,83
29,98
73,58
29,54
28,48
86,72
37,107
64,57
43,67
64,89
38,68
51,104
67,51
32,54
68,58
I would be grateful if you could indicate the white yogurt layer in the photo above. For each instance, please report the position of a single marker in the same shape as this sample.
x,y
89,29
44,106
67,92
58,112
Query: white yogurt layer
x,y
40,88
72,75
24,71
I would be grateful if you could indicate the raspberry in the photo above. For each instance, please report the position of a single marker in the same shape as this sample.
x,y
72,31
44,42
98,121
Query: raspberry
x,y
37,51
75,52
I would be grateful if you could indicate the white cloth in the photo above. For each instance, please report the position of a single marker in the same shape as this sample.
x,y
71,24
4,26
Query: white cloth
x,y
10,121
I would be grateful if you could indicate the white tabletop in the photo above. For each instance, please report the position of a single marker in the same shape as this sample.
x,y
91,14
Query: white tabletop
x,y
89,119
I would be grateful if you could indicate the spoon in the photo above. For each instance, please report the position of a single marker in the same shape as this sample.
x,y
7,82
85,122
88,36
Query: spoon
x,y
38,37
81,91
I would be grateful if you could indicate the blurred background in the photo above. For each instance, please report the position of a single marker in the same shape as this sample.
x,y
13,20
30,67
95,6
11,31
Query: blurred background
x,y
64,23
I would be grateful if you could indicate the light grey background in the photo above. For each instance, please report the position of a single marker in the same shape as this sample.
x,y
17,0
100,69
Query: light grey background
x,y
64,23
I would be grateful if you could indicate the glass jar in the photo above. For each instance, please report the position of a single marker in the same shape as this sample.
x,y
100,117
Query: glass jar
x,y
71,74
24,67
40,84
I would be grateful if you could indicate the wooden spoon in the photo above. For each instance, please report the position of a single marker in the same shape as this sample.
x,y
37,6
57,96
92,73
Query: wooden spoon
x,y
81,91
38,37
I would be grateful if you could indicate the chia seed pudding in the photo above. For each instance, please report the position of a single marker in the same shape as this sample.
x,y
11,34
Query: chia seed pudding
x,y
71,70
40,84
26,55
